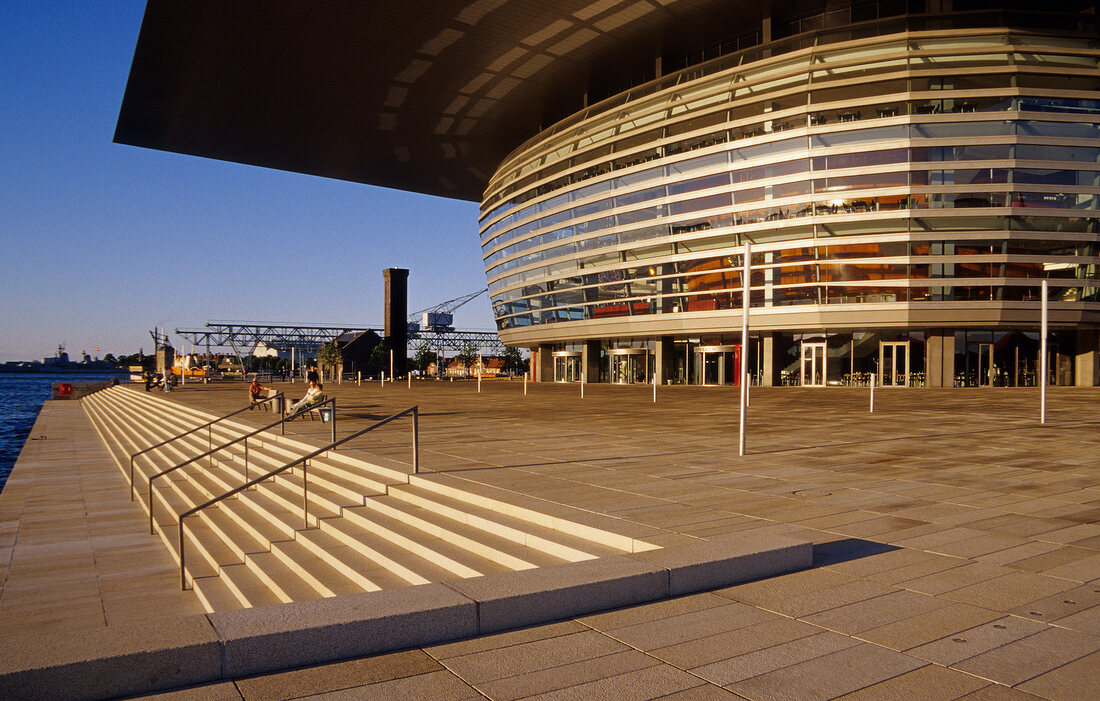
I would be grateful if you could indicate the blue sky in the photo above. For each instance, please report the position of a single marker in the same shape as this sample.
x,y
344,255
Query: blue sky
x,y
101,242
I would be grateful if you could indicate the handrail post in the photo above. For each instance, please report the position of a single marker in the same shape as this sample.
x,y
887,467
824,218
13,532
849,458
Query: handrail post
x,y
131,478
305,494
334,418
246,458
416,439
152,526
183,561
210,445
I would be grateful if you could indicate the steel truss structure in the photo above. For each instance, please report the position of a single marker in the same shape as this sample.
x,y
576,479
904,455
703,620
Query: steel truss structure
x,y
245,336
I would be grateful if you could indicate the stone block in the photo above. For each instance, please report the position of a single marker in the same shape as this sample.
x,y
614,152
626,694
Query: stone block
x,y
277,637
726,560
102,663
515,599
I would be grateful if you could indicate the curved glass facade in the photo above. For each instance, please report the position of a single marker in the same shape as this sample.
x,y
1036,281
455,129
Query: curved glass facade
x,y
893,184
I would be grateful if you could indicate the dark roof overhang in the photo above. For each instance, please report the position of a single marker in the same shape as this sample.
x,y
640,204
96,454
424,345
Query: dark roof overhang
x,y
421,96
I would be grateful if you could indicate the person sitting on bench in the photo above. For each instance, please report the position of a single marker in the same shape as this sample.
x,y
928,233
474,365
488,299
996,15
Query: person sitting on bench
x,y
255,392
313,396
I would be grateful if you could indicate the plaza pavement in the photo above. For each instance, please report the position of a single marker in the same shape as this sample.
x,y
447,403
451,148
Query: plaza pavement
x,y
957,540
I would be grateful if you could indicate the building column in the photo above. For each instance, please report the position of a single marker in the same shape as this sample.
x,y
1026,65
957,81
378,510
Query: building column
x,y
663,359
769,369
939,358
590,361
1088,359
542,364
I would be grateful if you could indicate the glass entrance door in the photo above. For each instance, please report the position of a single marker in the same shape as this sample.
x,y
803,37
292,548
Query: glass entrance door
x,y
980,369
718,365
813,364
627,368
986,370
567,368
893,363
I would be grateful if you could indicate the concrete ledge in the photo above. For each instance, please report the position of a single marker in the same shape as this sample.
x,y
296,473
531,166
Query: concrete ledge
x,y
727,560
104,663
170,654
517,599
269,638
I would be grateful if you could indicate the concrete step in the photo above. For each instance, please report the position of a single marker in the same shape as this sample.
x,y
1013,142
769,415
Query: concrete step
x,y
448,550
556,544
388,557
283,578
214,594
315,569
248,588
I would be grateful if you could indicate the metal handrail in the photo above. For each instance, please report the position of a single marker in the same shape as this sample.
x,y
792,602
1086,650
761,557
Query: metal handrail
x,y
210,435
244,437
304,461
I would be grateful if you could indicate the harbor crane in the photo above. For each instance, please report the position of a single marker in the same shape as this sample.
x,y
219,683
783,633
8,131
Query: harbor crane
x,y
440,317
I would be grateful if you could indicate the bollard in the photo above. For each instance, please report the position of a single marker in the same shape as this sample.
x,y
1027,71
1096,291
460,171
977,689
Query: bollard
x,y
654,388
382,379
1043,371
410,376
359,380
479,381
582,385
872,393
525,384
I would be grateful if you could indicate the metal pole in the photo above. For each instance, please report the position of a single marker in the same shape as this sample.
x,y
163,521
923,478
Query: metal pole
x,y
744,346
582,385
409,376
479,369
292,365
183,560
416,440
1043,371
246,460
654,388
359,377
333,420
305,494
382,381
873,380
391,365
524,393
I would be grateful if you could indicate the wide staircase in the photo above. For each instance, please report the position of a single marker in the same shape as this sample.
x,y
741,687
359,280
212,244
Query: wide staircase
x,y
368,525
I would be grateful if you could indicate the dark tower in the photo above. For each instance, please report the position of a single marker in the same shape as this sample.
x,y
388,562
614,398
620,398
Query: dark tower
x,y
397,303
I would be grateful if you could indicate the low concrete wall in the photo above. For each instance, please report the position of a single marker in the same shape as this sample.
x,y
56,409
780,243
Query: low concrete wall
x,y
163,655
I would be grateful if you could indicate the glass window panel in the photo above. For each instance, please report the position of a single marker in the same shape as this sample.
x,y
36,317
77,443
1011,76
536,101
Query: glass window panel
x,y
772,149
699,203
695,184
952,129
1058,153
1069,130
708,161
639,196
1047,81
861,91
842,138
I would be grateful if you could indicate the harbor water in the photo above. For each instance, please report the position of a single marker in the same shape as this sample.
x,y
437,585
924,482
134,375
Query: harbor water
x,y
22,395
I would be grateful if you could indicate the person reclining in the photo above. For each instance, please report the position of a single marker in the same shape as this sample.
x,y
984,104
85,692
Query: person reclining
x,y
313,396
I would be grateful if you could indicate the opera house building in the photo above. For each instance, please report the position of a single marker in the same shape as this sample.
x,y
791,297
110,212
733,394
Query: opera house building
x,y
907,173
